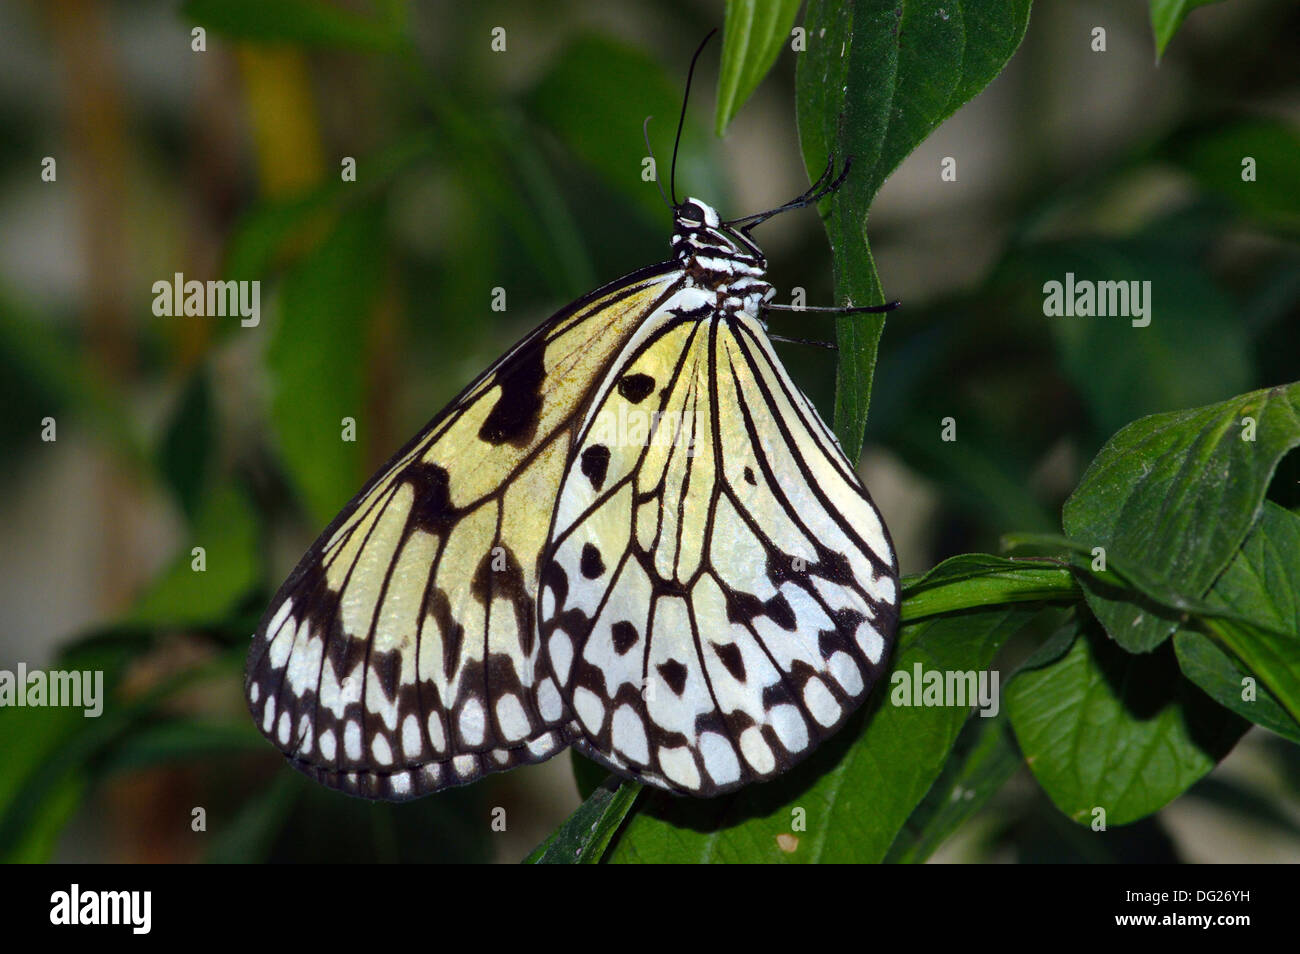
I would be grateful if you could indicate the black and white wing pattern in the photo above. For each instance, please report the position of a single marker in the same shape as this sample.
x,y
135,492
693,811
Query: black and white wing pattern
x,y
399,657
718,592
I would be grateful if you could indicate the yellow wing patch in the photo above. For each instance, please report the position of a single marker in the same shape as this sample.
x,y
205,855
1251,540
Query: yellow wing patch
x,y
399,656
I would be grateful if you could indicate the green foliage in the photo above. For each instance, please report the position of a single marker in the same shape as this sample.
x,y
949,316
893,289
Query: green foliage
x,y
752,39
296,22
1103,728
325,307
182,595
584,99
583,838
878,76
1176,494
1168,15
982,760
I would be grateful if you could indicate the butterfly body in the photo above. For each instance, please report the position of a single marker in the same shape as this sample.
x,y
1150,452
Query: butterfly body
x,y
633,534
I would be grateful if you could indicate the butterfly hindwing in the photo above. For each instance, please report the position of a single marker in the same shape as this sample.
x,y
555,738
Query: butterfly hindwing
x,y
720,593
399,656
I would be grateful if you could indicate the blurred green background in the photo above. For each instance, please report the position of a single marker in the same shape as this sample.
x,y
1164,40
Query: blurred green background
x,y
520,169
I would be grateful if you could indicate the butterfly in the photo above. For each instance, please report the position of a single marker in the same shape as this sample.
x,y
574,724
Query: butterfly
x,y
633,534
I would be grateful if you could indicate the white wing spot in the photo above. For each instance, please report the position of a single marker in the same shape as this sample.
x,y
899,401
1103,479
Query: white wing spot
x,y
436,735
548,700
381,750
845,671
268,715
756,750
472,722
787,721
679,766
352,740
628,735
542,746
719,758
412,744
869,642
511,716
561,650
591,711
821,704
327,745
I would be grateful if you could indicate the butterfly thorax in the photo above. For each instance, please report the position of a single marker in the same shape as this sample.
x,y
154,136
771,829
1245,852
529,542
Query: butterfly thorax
x,y
717,257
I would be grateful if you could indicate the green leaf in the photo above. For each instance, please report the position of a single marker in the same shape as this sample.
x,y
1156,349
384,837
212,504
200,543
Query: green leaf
x,y
877,77
595,97
177,740
983,758
226,529
587,775
979,579
1193,351
50,754
47,374
856,791
1103,728
1167,16
1222,678
30,740
276,231
1175,494
293,22
1215,152
1262,583
186,452
752,38
585,835
248,837
317,362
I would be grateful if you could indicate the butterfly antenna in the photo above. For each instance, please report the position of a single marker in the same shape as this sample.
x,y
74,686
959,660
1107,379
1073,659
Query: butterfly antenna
x,y
645,133
672,178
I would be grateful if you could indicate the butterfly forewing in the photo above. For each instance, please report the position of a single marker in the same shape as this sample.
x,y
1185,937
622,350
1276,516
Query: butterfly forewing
x,y
721,592
399,657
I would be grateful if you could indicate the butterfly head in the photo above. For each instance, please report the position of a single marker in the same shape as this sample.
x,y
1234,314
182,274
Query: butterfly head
x,y
710,249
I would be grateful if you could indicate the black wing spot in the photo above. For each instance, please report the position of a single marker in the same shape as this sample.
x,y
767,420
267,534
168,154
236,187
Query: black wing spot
x,y
636,387
732,659
743,607
453,633
591,564
674,674
749,477
595,464
625,636
431,508
514,418
780,612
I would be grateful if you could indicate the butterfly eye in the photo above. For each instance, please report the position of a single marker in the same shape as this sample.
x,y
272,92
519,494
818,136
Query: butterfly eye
x,y
691,214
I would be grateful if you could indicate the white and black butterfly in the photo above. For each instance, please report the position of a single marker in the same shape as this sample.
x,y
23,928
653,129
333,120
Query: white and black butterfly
x,y
632,534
